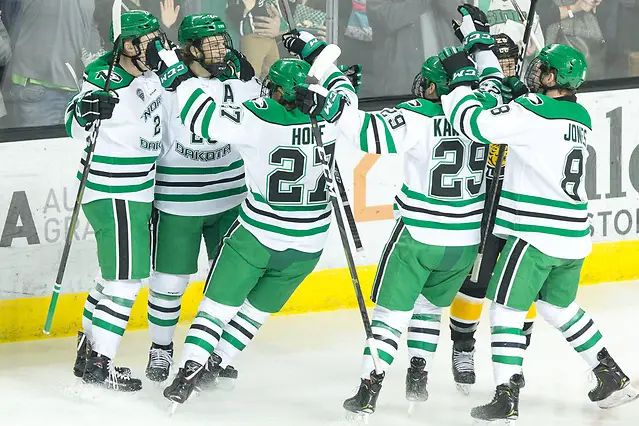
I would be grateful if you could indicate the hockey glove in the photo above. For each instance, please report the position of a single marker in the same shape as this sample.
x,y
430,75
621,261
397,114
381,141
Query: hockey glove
x,y
513,88
303,44
459,68
247,72
95,105
315,100
167,65
473,30
354,74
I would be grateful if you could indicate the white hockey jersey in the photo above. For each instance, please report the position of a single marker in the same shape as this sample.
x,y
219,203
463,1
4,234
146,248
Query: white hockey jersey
x,y
197,176
442,197
128,144
287,206
543,200
503,18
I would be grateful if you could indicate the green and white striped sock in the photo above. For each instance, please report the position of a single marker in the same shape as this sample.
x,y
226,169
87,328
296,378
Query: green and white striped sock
x,y
111,315
508,342
239,332
577,327
387,329
206,330
93,298
164,305
423,330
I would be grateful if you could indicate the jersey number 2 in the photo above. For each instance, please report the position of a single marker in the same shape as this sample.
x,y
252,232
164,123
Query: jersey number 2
x,y
293,168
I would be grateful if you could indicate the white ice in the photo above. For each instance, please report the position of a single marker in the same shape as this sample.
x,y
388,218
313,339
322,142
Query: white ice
x,y
299,369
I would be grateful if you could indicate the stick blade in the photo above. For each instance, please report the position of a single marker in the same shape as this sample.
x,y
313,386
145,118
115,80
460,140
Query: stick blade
x,y
116,17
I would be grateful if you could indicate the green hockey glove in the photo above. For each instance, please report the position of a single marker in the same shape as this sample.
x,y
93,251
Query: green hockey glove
x,y
459,68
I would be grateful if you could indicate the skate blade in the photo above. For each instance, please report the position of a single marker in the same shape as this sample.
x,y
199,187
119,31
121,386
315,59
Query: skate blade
x,y
357,418
173,408
464,388
498,422
620,397
224,384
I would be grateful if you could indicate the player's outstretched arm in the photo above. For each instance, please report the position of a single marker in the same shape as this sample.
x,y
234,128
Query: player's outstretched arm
x,y
382,132
476,114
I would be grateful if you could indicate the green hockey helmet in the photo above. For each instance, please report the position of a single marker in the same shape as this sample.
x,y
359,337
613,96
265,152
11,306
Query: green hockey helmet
x,y
136,23
568,63
432,72
285,74
208,34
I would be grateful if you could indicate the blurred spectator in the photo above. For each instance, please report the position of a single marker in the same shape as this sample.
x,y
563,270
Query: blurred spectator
x,y
574,23
405,33
261,26
5,57
49,34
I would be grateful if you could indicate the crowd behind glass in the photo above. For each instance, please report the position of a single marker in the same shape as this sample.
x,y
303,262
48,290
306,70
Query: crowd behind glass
x,y
390,38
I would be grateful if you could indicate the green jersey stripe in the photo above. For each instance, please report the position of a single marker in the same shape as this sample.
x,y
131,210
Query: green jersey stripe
x,y
206,121
119,189
543,201
312,208
474,128
453,115
542,229
439,225
166,170
383,355
363,134
201,197
390,143
189,103
122,161
283,231
452,203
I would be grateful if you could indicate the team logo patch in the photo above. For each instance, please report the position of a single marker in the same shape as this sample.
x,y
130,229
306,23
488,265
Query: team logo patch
x,y
102,75
140,94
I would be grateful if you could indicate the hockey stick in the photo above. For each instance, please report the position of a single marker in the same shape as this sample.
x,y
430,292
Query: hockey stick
x,y
350,218
73,74
92,139
524,19
325,59
499,164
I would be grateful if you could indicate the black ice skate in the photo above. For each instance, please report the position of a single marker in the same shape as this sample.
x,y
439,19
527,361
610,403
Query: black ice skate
x,y
160,362
83,351
613,386
416,381
101,371
184,383
463,361
365,399
505,404
211,372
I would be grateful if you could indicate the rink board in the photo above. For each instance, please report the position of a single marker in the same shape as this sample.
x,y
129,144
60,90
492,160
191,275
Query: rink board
x,y
37,192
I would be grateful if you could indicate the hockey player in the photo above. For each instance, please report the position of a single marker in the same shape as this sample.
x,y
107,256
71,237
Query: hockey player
x,y
467,307
542,214
435,239
283,222
200,182
119,192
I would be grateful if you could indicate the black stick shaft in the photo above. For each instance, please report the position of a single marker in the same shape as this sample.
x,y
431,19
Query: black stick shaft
x,y
350,218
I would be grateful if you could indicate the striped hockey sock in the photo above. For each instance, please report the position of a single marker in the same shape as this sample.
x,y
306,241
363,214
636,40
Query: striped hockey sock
x,y
577,327
165,302
387,329
239,332
204,333
89,307
423,330
111,315
508,342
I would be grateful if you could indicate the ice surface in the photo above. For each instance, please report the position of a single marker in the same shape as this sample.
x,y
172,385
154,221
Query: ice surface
x,y
299,369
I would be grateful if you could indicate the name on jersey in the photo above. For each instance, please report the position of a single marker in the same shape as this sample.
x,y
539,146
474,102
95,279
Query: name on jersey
x,y
197,155
443,128
155,104
499,16
304,135
150,145
576,134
